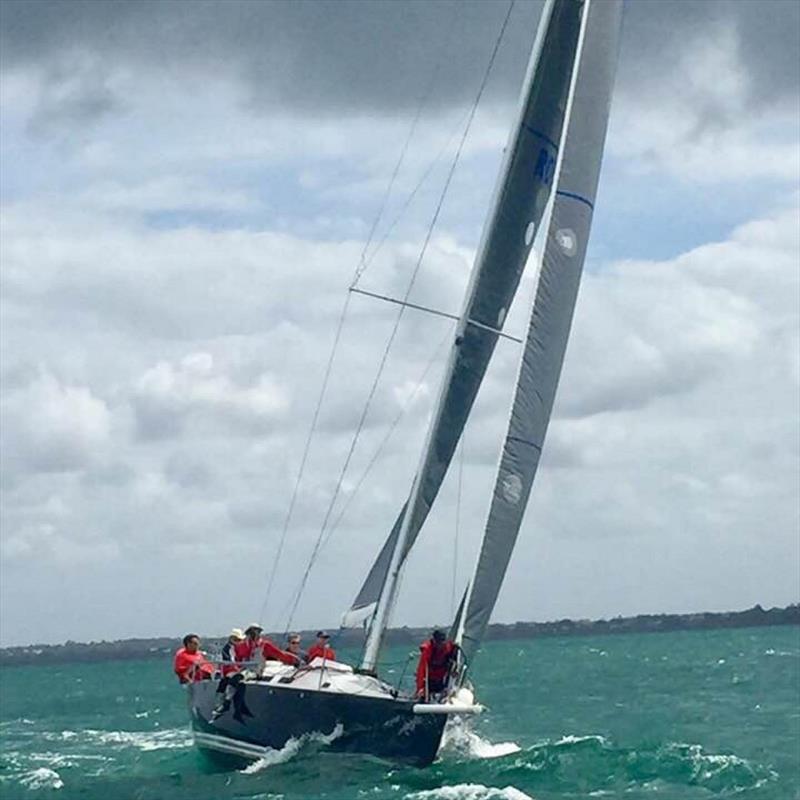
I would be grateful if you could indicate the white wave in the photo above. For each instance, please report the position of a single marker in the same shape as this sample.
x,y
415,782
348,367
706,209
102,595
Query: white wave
x,y
570,739
143,740
60,760
460,740
469,791
42,778
708,768
291,749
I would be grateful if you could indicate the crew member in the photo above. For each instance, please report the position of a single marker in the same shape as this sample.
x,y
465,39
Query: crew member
x,y
191,664
293,646
229,651
254,642
246,649
320,649
272,652
437,657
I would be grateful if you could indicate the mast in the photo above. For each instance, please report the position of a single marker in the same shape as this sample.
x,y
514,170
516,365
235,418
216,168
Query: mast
x,y
521,195
551,315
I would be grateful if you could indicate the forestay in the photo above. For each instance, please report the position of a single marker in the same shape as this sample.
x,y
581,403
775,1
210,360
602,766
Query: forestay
x,y
551,318
520,198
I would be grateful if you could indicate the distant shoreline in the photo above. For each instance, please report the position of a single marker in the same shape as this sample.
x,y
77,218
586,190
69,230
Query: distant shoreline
x,y
138,649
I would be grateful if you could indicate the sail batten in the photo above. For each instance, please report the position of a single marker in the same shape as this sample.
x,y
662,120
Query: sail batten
x,y
520,198
551,316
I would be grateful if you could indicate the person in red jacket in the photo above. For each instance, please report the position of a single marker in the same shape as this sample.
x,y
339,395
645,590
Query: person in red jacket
x,y
254,642
190,664
247,649
320,648
436,659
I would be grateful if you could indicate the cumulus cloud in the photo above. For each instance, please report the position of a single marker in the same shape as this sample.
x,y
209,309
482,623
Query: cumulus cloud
x,y
697,118
179,228
166,394
50,426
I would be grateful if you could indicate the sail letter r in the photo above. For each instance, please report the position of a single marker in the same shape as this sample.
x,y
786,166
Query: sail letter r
x,y
545,166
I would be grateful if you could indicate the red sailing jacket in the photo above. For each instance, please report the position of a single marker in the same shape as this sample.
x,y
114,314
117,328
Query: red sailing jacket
x,y
318,651
246,651
192,666
272,652
434,662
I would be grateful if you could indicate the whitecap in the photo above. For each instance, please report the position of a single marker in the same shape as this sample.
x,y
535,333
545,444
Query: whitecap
x,y
59,760
143,740
570,739
460,740
469,791
42,778
291,749
719,769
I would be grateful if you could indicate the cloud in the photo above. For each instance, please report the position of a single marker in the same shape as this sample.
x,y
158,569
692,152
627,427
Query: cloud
x,y
662,406
50,426
380,57
166,395
187,189
72,94
697,117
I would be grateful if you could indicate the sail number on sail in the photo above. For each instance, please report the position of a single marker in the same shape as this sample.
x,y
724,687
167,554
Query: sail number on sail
x,y
545,166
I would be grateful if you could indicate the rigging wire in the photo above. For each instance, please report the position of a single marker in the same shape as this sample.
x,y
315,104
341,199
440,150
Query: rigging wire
x,y
361,266
304,458
426,95
420,183
398,318
376,455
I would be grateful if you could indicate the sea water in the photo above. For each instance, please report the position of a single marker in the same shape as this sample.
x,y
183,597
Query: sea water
x,y
699,714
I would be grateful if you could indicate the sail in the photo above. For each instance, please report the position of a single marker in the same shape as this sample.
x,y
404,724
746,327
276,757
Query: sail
x,y
520,198
551,317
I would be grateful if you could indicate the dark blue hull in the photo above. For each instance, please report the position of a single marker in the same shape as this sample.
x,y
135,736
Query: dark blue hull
x,y
262,715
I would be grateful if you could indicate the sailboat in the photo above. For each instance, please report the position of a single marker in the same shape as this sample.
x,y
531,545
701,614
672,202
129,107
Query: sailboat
x,y
552,159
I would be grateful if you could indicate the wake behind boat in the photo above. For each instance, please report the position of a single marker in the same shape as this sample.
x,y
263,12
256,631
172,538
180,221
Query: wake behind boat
x,y
552,160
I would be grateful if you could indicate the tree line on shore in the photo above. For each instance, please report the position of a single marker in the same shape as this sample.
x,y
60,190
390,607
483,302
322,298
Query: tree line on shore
x,y
136,649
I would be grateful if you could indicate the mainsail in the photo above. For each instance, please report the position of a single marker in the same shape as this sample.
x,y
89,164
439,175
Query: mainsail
x,y
551,318
520,198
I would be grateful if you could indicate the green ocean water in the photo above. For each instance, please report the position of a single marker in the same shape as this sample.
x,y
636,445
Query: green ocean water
x,y
675,715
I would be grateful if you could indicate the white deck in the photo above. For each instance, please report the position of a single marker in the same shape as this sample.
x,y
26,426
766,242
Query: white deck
x,y
334,677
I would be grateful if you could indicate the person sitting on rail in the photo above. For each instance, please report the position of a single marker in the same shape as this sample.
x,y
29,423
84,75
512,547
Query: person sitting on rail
x,y
235,638
436,660
320,649
246,649
254,643
190,663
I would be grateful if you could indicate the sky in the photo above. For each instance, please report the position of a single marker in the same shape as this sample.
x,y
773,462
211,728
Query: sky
x,y
187,189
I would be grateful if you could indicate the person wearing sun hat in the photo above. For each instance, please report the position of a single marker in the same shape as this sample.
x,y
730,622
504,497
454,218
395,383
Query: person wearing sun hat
x,y
254,642
246,648
235,637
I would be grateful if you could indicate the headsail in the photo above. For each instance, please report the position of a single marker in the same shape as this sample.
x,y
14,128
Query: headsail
x,y
520,198
551,318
